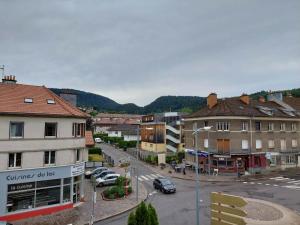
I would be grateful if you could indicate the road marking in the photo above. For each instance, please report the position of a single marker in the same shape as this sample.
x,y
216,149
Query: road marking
x,y
292,187
148,176
140,179
153,175
282,179
273,178
159,175
297,183
252,183
259,183
152,193
145,178
245,182
275,185
267,184
294,181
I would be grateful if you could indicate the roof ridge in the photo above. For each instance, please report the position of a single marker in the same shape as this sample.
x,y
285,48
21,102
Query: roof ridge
x,y
62,102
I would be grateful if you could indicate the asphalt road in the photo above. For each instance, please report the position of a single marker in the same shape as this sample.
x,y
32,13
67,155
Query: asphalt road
x,y
179,208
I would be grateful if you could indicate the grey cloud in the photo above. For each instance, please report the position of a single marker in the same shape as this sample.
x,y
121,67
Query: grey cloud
x,y
135,51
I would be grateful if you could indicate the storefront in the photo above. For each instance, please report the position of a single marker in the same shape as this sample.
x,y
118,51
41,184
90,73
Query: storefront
x,y
28,193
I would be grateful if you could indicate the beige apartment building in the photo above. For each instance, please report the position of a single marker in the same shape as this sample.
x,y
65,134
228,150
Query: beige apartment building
x,y
42,151
245,134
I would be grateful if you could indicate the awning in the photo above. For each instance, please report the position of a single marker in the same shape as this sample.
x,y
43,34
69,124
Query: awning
x,y
199,153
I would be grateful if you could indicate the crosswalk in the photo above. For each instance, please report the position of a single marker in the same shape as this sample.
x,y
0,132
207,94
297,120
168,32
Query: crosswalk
x,y
149,177
280,182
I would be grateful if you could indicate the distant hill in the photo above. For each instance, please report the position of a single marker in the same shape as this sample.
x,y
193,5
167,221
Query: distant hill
x,y
186,104
161,104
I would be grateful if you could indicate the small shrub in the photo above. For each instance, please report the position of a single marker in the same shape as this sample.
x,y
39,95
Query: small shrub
x,y
111,196
129,190
95,150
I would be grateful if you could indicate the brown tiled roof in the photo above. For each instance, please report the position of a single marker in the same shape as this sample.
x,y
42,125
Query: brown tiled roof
x,y
126,129
115,121
235,107
294,102
89,139
12,102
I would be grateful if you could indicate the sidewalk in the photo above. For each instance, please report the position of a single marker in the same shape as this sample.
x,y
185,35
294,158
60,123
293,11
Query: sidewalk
x,y
191,175
81,215
266,213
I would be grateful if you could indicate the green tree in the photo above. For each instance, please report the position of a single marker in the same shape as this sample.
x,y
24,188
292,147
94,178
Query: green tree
x,y
131,219
153,220
141,214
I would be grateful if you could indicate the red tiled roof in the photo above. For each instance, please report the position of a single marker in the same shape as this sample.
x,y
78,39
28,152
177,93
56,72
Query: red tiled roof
x,y
89,139
294,102
12,102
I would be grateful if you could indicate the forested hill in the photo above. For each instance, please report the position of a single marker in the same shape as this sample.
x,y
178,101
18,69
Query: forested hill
x,y
161,104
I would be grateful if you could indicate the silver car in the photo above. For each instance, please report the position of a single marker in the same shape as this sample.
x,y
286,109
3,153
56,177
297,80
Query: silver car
x,y
109,179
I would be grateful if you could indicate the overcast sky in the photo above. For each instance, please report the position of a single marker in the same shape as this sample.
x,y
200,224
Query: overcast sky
x,y
137,50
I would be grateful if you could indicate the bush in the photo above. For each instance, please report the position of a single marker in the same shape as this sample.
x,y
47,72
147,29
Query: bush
x,y
129,190
100,135
95,150
180,156
121,181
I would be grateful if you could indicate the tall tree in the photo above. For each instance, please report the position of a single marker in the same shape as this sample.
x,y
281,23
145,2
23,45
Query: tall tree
x,y
141,214
153,220
131,219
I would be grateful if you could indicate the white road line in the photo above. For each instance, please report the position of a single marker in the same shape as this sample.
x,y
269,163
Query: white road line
x,y
245,182
294,181
275,185
153,175
145,178
282,179
252,183
292,187
267,184
149,176
159,175
273,178
140,179
259,183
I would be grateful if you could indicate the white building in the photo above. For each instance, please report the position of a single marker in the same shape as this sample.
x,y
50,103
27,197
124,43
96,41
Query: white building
x,y
128,132
42,151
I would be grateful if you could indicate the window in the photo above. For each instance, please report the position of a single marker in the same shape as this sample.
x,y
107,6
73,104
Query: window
x,y
290,159
283,144
14,160
49,158
245,126
294,127
50,101
271,127
258,144
258,126
282,127
78,130
245,144
16,130
205,143
28,100
50,129
222,126
205,123
294,143
271,144
77,155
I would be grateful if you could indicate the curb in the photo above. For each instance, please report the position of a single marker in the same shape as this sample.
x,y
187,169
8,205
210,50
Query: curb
x,y
121,212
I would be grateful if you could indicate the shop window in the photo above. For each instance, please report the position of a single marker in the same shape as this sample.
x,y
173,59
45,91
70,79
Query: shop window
x,y
66,193
16,130
215,162
48,183
222,163
257,161
48,196
20,201
67,180
50,129
14,160
229,163
49,158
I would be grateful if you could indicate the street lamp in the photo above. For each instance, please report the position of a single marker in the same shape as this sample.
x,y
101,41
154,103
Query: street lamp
x,y
195,133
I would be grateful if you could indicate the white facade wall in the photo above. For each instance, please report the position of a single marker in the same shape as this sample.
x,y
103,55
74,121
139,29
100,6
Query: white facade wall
x,y
114,134
130,138
34,144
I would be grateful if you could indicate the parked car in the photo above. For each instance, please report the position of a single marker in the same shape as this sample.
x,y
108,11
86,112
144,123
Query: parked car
x,y
109,179
164,185
103,174
90,173
98,140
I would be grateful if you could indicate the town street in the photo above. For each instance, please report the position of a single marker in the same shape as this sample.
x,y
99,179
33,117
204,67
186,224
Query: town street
x,y
179,208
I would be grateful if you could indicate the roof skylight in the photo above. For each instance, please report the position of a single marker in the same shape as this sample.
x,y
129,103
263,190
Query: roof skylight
x,y
50,101
28,100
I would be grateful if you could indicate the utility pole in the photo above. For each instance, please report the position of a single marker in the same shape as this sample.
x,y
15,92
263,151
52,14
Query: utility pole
x,y
94,199
197,177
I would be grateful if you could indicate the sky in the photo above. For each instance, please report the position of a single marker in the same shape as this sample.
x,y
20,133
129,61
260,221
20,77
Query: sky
x,y
135,51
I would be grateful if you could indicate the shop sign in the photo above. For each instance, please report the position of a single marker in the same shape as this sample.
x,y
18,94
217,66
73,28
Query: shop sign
x,y
77,169
21,187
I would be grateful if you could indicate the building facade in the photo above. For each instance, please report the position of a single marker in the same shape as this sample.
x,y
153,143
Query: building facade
x,y
245,134
162,133
126,131
42,152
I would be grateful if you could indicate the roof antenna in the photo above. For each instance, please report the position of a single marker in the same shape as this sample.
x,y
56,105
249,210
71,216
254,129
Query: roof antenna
x,y
2,68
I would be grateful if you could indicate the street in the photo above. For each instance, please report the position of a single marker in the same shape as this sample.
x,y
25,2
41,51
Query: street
x,y
179,208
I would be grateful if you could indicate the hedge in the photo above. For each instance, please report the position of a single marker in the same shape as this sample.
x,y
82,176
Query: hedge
x,y
95,150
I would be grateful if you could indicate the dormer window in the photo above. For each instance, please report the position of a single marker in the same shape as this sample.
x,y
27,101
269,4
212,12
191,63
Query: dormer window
x,y
50,101
28,100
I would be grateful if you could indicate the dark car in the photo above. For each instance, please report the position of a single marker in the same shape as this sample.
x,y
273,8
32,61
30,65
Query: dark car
x,y
164,185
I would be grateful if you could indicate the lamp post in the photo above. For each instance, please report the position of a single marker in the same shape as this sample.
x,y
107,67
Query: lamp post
x,y
209,163
137,158
196,133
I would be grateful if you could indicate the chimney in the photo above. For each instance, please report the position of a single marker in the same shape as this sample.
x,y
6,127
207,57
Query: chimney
x,y
245,99
212,100
9,79
261,99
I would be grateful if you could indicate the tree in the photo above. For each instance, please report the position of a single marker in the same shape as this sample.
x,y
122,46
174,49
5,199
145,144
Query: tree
x,y
144,215
153,220
131,219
